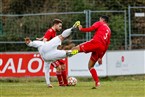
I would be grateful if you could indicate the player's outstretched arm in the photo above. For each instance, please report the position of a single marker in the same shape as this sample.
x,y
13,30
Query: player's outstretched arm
x,y
40,38
35,44
89,29
100,61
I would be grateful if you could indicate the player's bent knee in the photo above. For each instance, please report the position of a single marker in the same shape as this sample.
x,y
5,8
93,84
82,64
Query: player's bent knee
x,y
63,67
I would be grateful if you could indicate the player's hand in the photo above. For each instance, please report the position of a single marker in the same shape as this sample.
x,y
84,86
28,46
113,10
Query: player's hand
x,y
39,38
27,40
100,61
80,27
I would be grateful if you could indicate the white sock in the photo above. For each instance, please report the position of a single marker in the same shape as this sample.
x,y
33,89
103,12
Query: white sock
x,y
66,32
46,72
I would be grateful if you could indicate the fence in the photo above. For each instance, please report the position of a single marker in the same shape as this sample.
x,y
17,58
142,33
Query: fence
x,y
15,27
136,27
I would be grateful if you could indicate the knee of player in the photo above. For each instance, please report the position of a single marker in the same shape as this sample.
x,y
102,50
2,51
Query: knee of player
x,y
90,67
63,67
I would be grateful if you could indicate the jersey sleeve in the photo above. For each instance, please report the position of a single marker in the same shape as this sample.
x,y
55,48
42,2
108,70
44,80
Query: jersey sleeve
x,y
91,28
35,43
48,35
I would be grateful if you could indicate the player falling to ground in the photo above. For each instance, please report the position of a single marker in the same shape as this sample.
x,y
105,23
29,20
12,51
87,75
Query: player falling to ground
x,y
97,45
60,70
48,50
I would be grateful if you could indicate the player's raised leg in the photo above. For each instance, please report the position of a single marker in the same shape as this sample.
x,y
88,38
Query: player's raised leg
x,y
56,41
67,32
51,46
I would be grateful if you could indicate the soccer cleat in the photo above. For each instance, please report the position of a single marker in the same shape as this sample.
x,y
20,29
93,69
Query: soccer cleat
x,y
97,84
50,86
77,23
63,85
66,84
74,52
71,53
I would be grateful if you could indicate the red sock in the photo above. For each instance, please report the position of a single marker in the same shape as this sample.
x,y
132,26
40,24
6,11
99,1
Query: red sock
x,y
94,75
64,76
59,77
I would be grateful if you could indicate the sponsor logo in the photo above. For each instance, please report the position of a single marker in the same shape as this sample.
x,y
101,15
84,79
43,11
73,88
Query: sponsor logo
x,y
19,65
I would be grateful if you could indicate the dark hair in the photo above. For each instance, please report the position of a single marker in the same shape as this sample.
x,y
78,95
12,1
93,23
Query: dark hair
x,y
56,21
106,18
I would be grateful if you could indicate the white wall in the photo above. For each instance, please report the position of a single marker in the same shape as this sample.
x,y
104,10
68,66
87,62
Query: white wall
x,y
125,62
78,65
114,63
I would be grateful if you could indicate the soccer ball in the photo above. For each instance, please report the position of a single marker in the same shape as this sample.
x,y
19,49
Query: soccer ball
x,y
72,81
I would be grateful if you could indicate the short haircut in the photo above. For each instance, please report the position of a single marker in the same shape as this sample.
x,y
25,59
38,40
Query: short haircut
x,y
106,18
56,21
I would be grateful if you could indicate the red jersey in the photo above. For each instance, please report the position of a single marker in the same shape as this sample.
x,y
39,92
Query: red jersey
x,y
50,33
102,32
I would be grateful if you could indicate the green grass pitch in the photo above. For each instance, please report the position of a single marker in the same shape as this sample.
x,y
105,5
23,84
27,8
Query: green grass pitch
x,y
114,88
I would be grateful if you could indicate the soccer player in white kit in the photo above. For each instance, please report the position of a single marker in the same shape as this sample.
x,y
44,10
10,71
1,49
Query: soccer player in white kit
x,y
48,50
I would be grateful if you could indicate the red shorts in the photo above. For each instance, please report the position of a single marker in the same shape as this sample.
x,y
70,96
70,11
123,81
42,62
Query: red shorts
x,y
58,62
97,49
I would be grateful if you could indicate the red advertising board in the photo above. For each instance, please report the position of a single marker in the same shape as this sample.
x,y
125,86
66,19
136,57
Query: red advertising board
x,y
23,64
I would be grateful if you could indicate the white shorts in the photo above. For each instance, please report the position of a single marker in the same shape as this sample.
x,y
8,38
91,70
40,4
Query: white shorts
x,y
49,50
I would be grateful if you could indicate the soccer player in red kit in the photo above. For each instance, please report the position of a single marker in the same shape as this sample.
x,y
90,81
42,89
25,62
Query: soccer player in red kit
x,y
97,45
51,32
59,65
